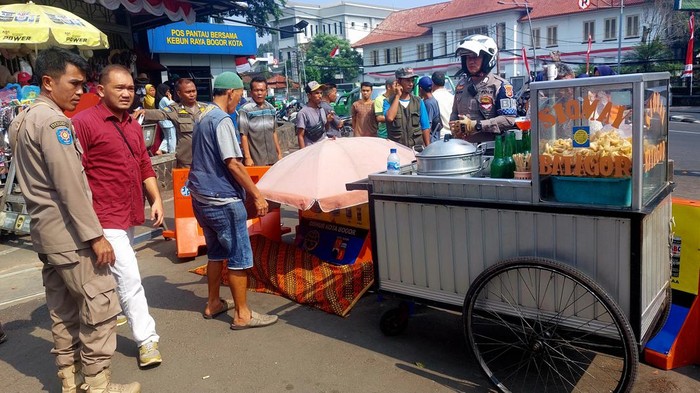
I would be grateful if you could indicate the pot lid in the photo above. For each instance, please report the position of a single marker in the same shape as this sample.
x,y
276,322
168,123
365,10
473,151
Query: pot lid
x,y
447,147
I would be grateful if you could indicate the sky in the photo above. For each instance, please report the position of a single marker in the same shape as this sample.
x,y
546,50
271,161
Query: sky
x,y
385,3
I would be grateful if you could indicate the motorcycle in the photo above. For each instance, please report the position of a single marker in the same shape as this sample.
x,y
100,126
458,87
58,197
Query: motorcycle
x,y
289,111
347,130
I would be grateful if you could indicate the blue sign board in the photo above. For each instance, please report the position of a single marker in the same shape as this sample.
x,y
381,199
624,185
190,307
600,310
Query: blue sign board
x,y
203,38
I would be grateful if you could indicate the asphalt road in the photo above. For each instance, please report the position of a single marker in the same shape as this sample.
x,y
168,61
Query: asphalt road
x,y
684,147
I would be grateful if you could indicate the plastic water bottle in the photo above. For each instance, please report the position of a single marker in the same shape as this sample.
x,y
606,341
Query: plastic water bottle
x,y
393,165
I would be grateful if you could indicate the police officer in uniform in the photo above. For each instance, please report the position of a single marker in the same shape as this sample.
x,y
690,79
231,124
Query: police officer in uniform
x,y
484,103
80,290
184,115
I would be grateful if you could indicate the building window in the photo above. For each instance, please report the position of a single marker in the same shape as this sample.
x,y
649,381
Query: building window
x,y
323,27
632,26
388,56
473,30
352,24
286,32
552,36
365,26
421,52
588,31
501,35
335,28
375,57
443,42
610,28
340,27
429,50
537,42
397,54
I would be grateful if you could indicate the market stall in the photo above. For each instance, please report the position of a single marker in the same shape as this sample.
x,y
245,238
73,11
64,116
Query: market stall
x,y
560,279
27,29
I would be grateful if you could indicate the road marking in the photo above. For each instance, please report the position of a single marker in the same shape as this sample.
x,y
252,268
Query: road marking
x,y
23,299
684,132
5,275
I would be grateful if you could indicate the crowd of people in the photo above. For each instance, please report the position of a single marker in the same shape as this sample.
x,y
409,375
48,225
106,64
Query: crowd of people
x,y
483,104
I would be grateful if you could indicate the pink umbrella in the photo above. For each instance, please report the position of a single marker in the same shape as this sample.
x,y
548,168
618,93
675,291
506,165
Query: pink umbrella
x,y
318,173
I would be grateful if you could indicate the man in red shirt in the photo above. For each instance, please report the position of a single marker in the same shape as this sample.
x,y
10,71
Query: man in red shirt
x,y
118,168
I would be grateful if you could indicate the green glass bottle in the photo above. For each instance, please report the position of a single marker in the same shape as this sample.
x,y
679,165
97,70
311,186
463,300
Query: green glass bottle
x,y
499,166
526,143
508,151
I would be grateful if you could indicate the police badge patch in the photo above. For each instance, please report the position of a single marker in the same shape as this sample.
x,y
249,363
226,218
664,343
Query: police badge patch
x,y
64,136
486,103
509,90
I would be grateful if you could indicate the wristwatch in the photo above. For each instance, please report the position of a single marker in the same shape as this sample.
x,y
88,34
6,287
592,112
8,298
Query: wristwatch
x,y
478,127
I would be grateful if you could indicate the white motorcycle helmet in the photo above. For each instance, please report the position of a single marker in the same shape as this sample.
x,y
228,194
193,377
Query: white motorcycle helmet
x,y
481,45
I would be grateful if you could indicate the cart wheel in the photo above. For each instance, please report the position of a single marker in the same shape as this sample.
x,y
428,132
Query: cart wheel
x,y
394,321
536,325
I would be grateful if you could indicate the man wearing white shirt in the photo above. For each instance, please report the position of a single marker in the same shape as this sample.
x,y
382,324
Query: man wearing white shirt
x,y
444,99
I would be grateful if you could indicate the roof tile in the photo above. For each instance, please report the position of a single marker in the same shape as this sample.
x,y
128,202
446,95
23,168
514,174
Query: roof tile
x,y
414,22
401,24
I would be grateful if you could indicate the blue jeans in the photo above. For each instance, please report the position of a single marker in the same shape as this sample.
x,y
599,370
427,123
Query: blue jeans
x,y
226,233
169,140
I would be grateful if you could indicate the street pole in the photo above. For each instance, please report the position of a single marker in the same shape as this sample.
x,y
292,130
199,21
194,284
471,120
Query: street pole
x,y
532,39
286,83
526,5
619,39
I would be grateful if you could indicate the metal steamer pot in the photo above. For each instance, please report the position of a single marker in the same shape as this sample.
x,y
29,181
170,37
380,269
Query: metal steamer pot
x,y
449,157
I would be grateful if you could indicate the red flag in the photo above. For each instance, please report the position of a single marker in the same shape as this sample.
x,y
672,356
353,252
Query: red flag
x,y
588,53
335,52
688,71
527,66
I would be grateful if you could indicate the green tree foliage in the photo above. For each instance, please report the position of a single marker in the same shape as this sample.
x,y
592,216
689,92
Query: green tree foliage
x,y
259,12
321,67
266,47
650,57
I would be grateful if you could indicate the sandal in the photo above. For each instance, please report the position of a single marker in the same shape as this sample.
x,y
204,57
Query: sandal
x,y
256,320
225,306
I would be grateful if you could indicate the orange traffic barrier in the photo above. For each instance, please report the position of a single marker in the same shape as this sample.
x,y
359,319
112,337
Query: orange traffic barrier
x,y
188,234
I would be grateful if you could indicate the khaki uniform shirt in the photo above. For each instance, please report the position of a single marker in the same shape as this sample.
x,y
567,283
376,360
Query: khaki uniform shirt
x,y
49,170
490,101
184,119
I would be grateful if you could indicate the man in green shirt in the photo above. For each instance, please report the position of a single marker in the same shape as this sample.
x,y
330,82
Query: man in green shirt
x,y
379,107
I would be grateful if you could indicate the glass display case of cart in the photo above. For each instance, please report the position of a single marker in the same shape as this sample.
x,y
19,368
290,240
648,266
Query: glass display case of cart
x,y
600,141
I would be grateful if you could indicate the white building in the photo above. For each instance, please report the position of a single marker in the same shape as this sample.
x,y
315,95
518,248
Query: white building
x,y
426,38
349,20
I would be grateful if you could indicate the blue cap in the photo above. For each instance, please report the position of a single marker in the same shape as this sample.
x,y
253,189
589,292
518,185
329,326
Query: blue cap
x,y
392,150
425,83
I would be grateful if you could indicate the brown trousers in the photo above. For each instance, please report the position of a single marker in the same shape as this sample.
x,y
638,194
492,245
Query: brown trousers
x,y
83,305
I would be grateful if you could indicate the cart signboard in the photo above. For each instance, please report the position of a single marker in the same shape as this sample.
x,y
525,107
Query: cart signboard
x,y
601,139
685,248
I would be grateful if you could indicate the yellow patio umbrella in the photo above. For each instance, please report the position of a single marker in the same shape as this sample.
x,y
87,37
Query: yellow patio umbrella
x,y
42,26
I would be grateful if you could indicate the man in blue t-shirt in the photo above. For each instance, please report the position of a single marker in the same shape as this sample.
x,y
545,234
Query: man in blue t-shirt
x,y
425,88
407,120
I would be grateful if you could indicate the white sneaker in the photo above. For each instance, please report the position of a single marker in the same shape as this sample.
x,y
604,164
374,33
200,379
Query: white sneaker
x,y
149,354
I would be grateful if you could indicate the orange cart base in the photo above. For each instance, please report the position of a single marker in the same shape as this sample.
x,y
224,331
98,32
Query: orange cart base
x,y
188,234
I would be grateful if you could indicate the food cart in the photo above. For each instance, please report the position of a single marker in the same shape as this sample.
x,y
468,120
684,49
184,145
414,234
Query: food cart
x,y
560,279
